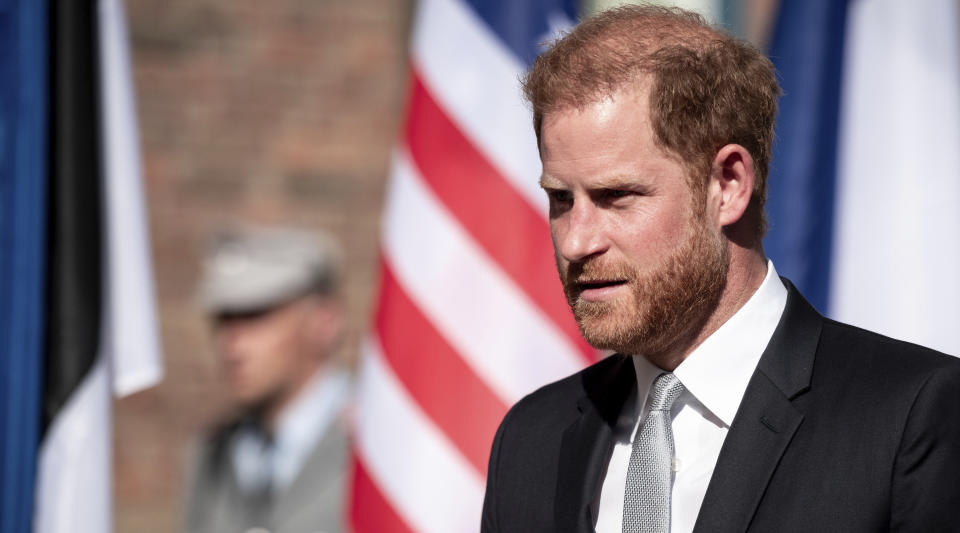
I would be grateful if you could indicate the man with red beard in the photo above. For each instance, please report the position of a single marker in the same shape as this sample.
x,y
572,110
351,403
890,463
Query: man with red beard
x,y
731,404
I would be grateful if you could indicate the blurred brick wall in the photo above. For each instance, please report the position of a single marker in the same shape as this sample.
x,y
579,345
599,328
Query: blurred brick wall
x,y
280,111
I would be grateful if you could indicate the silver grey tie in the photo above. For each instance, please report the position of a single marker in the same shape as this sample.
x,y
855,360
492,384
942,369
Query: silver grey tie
x,y
646,502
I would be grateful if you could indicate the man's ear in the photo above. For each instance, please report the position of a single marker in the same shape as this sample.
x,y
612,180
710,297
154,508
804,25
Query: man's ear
x,y
731,181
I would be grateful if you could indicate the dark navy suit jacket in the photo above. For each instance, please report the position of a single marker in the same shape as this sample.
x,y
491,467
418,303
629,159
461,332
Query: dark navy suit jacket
x,y
840,429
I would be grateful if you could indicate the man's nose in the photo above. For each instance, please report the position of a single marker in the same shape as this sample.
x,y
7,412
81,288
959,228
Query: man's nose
x,y
581,234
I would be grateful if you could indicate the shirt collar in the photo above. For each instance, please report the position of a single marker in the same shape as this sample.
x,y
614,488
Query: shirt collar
x,y
305,421
716,372
312,411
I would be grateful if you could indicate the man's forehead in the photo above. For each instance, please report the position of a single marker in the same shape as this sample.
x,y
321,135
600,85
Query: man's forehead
x,y
578,97
608,139
628,102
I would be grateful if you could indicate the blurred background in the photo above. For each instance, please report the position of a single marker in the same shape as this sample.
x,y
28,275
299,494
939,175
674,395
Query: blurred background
x,y
281,112
288,112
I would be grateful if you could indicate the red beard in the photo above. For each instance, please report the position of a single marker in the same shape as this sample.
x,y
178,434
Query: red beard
x,y
665,306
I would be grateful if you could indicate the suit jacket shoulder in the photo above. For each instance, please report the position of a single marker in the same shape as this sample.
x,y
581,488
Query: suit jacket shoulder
x,y
840,429
879,354
900,403
548,445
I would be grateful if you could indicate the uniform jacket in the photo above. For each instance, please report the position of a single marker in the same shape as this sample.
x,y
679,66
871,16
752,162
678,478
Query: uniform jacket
x,y
313,503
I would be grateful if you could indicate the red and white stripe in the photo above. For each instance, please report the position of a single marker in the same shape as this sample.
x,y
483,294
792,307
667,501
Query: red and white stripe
x,y
470,315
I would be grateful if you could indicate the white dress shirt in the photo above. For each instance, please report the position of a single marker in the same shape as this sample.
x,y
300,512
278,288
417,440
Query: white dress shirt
x,y
714,377
258,463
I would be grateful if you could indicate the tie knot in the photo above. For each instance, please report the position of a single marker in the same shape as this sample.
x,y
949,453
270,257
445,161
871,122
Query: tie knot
x,y
664,391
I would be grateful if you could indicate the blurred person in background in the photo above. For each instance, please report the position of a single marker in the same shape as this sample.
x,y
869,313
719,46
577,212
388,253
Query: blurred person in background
x,y
277,463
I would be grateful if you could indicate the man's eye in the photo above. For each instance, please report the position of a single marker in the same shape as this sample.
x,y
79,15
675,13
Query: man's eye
x,y
559,196
615,194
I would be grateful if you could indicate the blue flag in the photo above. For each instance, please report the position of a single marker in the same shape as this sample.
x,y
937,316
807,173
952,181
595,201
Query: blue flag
x,y
866,172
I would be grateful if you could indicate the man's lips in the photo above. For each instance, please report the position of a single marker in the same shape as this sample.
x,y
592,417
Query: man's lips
x,y
599,283
599,289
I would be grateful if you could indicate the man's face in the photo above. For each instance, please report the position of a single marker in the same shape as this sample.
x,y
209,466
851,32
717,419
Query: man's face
x,y
641,262
266,356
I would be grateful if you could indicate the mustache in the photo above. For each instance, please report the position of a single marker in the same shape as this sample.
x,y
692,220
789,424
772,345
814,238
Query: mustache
x,y
595,271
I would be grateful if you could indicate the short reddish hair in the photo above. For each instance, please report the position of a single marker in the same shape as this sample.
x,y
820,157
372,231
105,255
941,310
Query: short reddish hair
x,y
708,89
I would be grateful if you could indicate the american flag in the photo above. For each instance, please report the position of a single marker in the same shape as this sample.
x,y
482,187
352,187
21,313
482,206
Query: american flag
x,y
470,315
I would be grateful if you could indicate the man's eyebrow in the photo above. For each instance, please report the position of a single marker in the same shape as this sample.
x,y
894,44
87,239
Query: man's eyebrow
x,y
547,182
620,181
626,182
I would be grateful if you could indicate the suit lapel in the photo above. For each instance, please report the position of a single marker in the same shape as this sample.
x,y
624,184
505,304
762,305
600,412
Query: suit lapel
x,y
765,423
763,428
586,443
